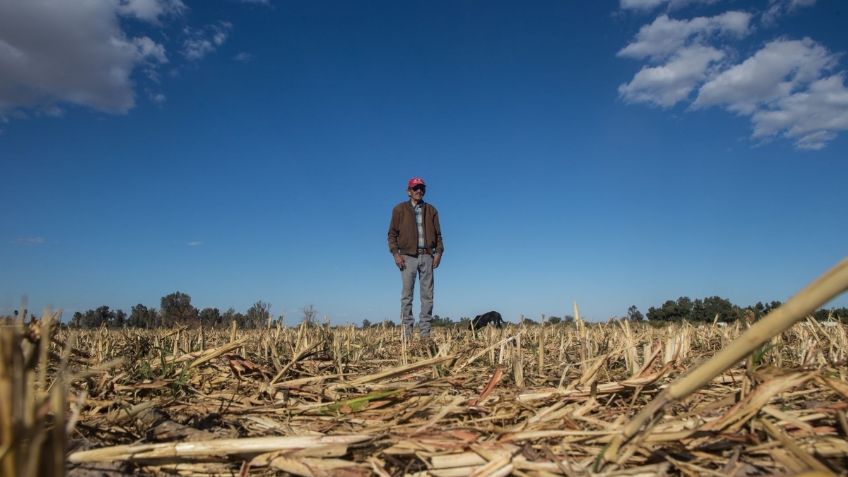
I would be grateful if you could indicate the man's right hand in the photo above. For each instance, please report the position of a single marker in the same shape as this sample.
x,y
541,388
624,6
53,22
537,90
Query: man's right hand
x,y
399,262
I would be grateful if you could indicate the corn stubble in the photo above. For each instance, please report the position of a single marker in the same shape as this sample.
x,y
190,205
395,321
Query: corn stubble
x,y
577,399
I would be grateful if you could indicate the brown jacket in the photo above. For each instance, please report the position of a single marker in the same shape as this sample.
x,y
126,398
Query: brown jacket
x,y
403,232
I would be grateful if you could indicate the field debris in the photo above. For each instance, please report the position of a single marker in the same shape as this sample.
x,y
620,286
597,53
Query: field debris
x,y
314,401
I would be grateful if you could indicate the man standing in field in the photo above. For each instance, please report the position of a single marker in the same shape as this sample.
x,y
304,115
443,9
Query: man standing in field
x,y
415,241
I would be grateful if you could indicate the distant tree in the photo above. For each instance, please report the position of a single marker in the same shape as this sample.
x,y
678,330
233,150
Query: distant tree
x,y
88,319
178,310
142,317
685,304
713,306
671,310
310,315
210,317
827,314
366,323
258,315
439,321
135,320
771,306
230,316
554,320
760,309
704,310
633,314
388,324
100,316
118,319
661,313
841,312
757,310
700,311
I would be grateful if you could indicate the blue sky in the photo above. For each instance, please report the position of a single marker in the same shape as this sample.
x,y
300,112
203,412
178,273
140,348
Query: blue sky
x,y
608,153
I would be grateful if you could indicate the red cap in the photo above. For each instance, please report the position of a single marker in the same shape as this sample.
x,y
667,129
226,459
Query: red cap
x,y
414,182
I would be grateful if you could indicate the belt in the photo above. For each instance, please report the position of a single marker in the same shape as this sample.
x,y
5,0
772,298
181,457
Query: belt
x,y
425,250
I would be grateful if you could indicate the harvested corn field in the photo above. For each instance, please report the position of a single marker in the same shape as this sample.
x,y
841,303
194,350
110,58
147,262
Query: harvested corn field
x,y
525,400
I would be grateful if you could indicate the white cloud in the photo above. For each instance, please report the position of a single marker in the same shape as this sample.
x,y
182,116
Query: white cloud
x,y
53,111
197,48
778,69
814,140
648,5
58,53
678,4
203,41
665,36
811,117
54,51
779,8
148,48
787,87
783,87
682,45
150,10
29,241
641,4
243,57
672,82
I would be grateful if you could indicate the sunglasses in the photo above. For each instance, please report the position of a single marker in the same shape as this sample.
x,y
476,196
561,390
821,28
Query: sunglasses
x,y
419,187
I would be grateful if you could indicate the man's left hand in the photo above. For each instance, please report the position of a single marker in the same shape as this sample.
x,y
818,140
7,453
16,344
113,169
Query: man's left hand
x,y
436,259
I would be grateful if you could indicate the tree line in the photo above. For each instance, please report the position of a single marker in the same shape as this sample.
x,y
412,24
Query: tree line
x,y
175,309
720,309
708,309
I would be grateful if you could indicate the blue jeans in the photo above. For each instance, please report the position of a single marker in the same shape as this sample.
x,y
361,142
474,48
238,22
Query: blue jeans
x,y
421,266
